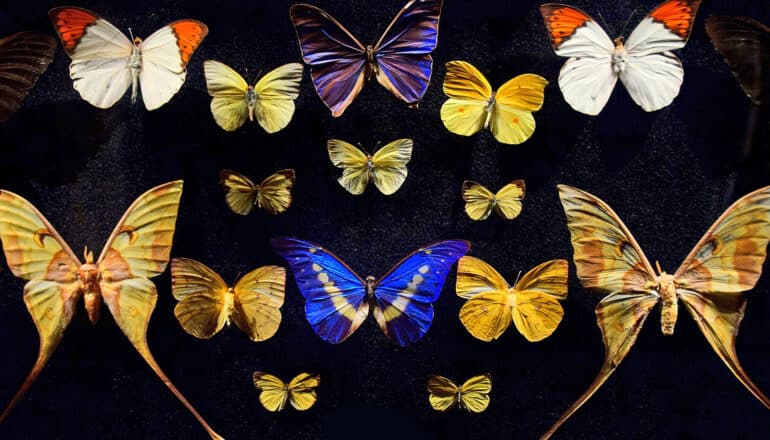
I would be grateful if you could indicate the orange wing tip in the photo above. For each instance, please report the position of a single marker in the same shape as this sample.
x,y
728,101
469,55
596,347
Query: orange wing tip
x,y
189,35
562,21
677,16
71,23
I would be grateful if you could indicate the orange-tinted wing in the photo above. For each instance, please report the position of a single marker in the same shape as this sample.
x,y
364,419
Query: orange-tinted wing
x,y
189,34
70,24
677,16
35,251
620,316
725,262
606,255
138,249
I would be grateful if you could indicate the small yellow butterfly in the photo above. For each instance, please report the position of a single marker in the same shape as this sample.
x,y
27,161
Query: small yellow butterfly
x,y
473,105
386,168
207,303
479,201
273,194
270,101
532,303
300,392
473,395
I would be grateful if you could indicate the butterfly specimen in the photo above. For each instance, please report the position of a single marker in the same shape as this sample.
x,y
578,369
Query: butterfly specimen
x,y
473,105
473,395
645,64
339,63
207,303
724,263
386,168
24,56
270,100
480,202
745,45
106,63
273,194
300,391
137,250
338,300
532,303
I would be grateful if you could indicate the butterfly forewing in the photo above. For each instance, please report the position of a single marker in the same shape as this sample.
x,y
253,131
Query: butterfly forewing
x,y
24,56
745,45
258,299
302,393
201,310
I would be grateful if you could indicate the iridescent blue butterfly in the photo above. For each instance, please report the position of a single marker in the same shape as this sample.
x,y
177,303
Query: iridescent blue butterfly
x,y
339,63
338,299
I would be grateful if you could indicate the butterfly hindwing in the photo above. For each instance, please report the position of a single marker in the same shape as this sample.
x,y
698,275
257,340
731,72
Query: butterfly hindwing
x,y
335,295
404,297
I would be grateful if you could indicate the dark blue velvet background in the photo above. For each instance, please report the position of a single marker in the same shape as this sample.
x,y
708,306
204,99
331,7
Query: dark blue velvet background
x,y
668,174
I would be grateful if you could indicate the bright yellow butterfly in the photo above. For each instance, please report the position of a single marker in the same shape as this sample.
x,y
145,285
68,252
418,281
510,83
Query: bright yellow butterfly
x,y
138,249
473,395
270,101
532,303
386,168
473,106
300,392
726,262
479,201
207,303
273,194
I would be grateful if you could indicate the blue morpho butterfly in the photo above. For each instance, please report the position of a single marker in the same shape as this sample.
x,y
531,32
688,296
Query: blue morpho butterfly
x,y
339,63
338,299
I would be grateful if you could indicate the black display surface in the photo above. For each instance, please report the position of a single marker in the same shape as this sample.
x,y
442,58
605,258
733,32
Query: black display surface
x,y
668,175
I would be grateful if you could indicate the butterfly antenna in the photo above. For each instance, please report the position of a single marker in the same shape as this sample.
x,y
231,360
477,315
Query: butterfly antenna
x,y
657,265
627,21
131,33
517,278
606,26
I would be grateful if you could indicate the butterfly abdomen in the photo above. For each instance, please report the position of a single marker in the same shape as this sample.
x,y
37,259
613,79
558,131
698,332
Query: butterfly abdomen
x,y
88,275
135,63
669,304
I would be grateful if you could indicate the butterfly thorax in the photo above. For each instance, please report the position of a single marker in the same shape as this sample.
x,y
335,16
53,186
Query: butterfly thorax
x,y
669,303
251,101
619,56
89,277
229,304
370,166
370,283
371,63
489,109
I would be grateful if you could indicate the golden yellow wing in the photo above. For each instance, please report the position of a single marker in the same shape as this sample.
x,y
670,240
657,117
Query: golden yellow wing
x,y
274,393
302,393
34,251
487,313
508,200
442,392
258,298
512,121
389,165
274,195
479,201
726,262
240,192
202,294
466,111
228,89
354,164
537,311
138,249
474,394
276,92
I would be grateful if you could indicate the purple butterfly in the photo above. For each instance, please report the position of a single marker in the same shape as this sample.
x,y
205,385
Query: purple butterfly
x,y
339,63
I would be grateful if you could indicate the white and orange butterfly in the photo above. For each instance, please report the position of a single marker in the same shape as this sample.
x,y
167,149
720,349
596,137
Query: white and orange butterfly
x,y
105,63
645,64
